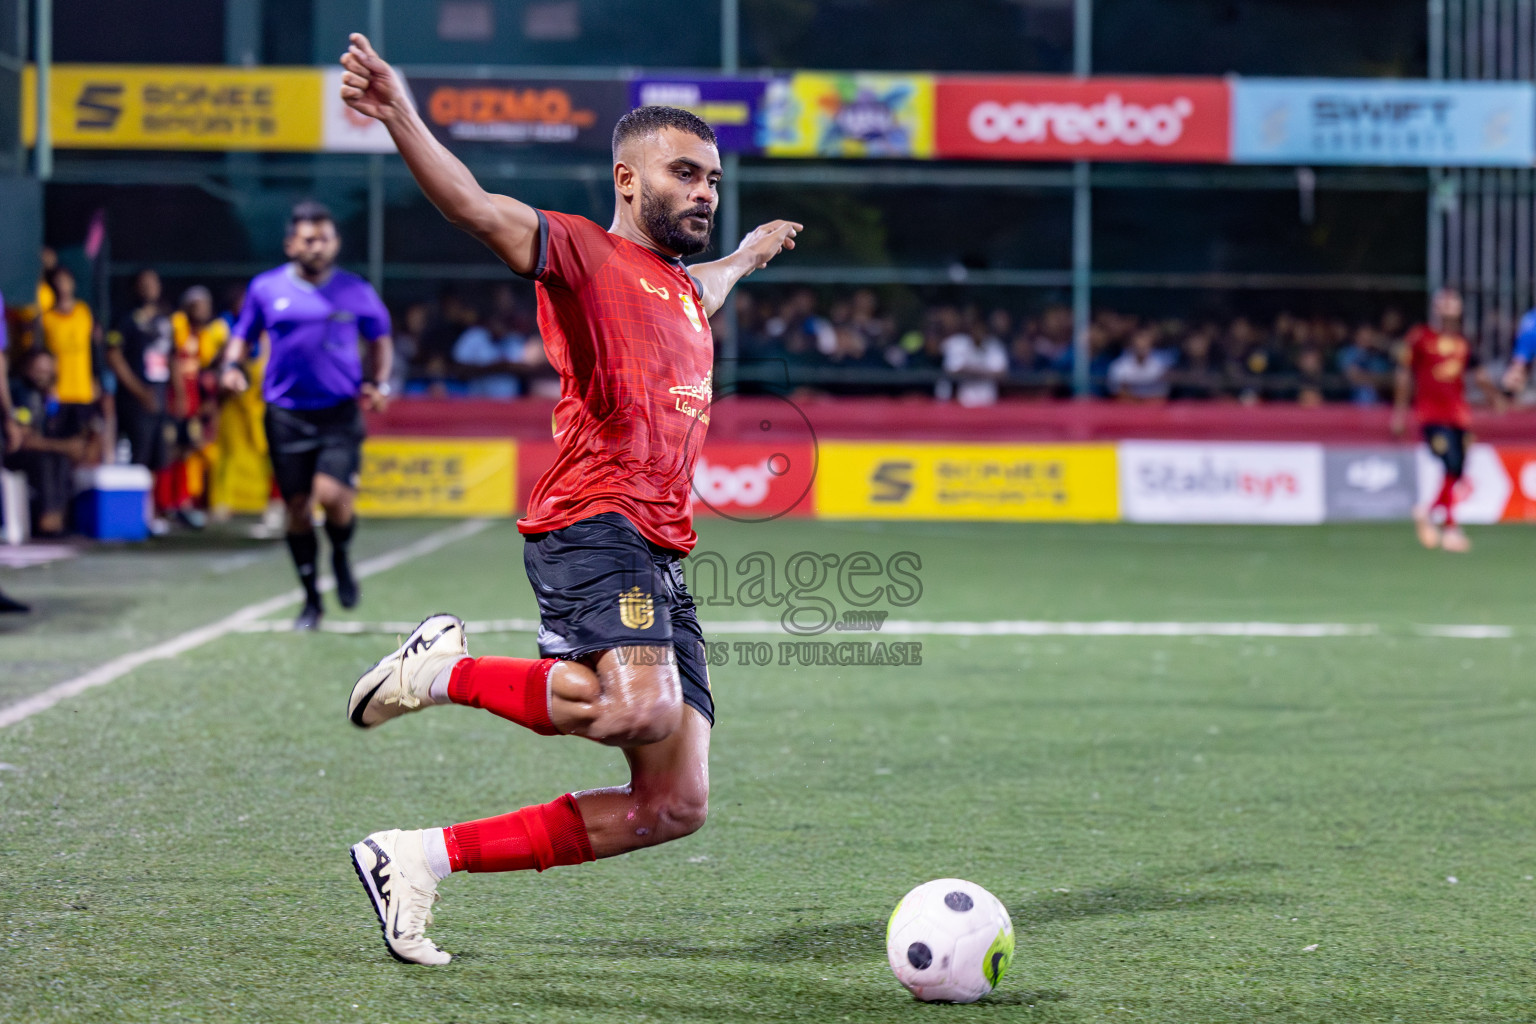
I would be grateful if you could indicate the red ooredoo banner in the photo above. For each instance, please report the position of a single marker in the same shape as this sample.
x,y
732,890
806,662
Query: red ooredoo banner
x,y
1046,118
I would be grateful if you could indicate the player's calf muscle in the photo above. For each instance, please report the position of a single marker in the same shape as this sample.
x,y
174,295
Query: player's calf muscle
x,y
624,702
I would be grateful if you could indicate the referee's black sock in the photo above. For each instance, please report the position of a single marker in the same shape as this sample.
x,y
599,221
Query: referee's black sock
x,y
305,549
341,561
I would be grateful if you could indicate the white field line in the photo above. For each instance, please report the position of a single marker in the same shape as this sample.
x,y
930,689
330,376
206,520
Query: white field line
x,y
1467,632
760,627
121,666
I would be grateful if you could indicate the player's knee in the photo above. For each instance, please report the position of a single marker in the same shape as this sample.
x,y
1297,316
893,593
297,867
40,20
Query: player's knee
x,y
637,718
681,814
300,512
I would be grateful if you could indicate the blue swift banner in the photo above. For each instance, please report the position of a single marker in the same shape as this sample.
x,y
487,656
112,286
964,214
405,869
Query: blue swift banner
x,y
1375,121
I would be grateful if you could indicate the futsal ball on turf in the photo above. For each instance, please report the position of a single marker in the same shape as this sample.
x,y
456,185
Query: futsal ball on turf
x,y
949,941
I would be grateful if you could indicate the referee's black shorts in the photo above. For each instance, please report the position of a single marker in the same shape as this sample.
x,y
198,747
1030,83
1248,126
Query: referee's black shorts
x,y
601,585
304,442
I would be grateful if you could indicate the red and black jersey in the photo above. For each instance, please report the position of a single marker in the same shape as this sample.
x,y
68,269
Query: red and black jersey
x,y
625,326
1439,362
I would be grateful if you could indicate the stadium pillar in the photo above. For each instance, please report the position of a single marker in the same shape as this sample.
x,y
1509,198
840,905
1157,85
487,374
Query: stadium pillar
x,y
43,154
1435,235
242,32
730,186
1082,217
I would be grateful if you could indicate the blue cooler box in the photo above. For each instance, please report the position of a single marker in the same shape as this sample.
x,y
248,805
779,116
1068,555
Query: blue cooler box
x,y
112,502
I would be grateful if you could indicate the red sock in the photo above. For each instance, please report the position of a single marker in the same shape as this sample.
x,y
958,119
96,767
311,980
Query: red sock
x,y
1447,499
540,837
516,689
165,490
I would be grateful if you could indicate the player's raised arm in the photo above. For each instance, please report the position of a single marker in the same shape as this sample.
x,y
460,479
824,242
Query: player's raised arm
x,y
507,227
1516,375
755,252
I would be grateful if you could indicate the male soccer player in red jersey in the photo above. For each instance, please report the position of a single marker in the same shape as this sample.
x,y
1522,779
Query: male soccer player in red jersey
x,y
621,655
1433,367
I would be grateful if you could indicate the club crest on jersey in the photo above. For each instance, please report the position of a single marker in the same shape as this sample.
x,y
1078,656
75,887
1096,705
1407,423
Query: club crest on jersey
x,y
693,399
637,609
660,291
693,313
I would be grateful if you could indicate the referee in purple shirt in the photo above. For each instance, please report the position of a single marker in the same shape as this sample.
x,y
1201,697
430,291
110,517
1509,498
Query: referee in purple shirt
x,y
315,317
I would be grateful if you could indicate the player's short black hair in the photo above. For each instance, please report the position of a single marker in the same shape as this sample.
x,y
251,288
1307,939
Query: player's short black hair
x,y
643,121
309,212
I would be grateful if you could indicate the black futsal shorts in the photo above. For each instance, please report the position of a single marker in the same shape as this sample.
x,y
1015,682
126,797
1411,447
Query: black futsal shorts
x,y
1449,445
601,585
304,442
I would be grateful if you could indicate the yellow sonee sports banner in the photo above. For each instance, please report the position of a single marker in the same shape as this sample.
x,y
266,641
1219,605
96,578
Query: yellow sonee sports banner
x,y
859,480
111,106
417,476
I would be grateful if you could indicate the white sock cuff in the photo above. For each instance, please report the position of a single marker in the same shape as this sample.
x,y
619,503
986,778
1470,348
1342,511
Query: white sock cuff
x,y
435,845
439,690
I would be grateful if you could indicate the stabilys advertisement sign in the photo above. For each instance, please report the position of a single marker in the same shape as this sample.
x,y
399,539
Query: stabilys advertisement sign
x,y
1045,118
859,480
732,107
1410,123
851,115
1200,482
108,106
495,111
410,476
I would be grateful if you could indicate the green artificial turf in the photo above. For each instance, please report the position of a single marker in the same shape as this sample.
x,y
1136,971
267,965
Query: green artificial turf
x,y
1185,829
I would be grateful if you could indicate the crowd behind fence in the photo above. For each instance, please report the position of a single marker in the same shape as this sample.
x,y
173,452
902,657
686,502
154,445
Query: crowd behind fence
x,y
70,388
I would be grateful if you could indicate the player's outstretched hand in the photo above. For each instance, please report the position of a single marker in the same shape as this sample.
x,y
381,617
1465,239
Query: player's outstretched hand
x,y
1515,378
768,240
368,84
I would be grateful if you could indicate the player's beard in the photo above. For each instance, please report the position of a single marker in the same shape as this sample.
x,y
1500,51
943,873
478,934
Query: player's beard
x,y
667,229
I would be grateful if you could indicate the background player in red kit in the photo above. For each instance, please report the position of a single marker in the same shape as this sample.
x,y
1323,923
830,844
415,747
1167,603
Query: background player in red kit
x,y
1433,367
622,661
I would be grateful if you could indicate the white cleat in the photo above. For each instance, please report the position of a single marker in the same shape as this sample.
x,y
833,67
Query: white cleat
x,y
393,869
402,681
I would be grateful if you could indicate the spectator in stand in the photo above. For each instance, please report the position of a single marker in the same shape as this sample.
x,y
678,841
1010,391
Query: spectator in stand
x,y
10,430
454,317
973,362
799,329
1309,387
200,339
876,330
1200,371
10,440
1140,374
56,437
242,466
141,350
489,356
1366,363
408,345
69,331
1049,347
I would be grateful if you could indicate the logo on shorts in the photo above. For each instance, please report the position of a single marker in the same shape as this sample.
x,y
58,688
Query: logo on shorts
x,y
637,609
